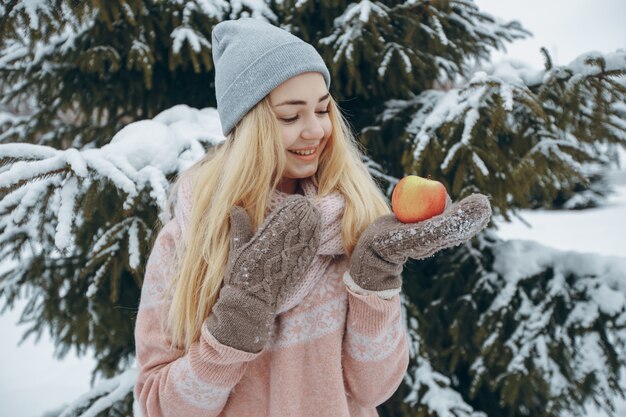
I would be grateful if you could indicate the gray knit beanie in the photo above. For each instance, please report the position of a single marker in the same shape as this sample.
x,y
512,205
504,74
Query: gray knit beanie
x,y
251,58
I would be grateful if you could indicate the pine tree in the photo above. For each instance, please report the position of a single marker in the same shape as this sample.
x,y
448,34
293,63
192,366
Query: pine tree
x,y
100,113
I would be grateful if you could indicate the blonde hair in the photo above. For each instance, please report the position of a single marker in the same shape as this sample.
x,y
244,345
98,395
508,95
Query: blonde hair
x,y
244,171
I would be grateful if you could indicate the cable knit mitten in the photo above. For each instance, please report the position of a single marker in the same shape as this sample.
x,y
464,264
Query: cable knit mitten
x,y
387,243
261,271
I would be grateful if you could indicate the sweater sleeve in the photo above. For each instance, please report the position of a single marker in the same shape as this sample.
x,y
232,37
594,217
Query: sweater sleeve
x,y
170,381
375,348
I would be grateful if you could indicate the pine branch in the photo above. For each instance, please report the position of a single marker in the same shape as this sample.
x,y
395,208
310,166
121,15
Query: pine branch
x,y
106,396
431,392
519,328
500,133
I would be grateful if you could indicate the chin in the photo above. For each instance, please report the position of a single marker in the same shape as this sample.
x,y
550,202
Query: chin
x,y
300,176
301,173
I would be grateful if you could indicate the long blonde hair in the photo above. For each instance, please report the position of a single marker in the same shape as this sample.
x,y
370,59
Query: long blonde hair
x,y
244,171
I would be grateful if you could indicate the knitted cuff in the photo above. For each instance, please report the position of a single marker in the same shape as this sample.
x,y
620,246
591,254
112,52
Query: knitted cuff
x,y
384,294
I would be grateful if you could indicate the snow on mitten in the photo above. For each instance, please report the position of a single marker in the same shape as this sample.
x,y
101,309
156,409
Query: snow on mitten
x,y
387,243
261,271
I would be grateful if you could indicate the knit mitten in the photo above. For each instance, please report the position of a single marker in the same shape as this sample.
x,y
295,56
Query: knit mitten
x,y
387,243
261,271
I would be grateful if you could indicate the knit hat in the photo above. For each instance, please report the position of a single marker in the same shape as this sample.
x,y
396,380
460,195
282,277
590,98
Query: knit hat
x,y
251,58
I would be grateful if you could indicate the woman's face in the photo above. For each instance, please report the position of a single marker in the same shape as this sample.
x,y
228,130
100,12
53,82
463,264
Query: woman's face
x,y
301,106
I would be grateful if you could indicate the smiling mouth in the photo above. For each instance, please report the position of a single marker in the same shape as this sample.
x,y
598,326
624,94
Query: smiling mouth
x,y
306,152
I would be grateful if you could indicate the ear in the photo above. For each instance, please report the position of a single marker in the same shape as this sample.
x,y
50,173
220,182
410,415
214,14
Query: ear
x,y
240,228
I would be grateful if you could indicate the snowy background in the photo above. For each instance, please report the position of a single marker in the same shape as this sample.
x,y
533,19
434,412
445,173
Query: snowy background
x,y
32,381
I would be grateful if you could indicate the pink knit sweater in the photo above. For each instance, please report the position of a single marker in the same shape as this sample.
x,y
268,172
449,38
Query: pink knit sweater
x,y
333,352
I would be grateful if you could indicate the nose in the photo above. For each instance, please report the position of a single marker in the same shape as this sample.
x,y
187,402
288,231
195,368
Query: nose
x,y
313,129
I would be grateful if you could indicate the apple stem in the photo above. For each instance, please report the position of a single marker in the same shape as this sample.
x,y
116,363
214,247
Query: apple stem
x,y
428,176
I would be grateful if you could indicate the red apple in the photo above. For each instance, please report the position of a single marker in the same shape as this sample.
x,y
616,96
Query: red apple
x,y
415,199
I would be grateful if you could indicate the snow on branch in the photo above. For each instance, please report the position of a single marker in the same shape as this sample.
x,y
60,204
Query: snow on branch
x,y
29,12
439,398
481,25
378,171
462,109
139,156
569,311
588,64
511,82
196,40
518,125
428,388
103,396
55,199
351,26
516,260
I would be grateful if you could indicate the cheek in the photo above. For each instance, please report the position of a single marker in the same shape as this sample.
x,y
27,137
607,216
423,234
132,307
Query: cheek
x,y
290,136
328,131
328,126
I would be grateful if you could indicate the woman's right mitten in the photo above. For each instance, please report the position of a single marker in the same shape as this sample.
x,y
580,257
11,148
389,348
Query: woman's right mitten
x,y
261,271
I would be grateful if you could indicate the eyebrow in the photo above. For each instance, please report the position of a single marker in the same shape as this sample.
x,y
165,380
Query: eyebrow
x,y
300,102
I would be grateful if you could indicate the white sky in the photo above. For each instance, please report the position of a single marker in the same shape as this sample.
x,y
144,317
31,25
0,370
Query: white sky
x,y
567,28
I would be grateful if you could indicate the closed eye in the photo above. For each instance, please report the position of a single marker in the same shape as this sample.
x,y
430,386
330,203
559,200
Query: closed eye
x,y
293,119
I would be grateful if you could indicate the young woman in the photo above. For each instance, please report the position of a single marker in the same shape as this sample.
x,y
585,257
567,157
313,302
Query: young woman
x,y
274,289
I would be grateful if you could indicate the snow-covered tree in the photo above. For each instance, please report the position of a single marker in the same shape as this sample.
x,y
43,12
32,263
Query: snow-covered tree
x,y
105,102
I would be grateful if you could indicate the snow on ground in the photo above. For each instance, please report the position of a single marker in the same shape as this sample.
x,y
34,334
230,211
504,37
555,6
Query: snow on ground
x,y
32,381
599,230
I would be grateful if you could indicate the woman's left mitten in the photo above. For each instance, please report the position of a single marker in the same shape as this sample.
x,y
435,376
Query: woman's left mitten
x,y
386,244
